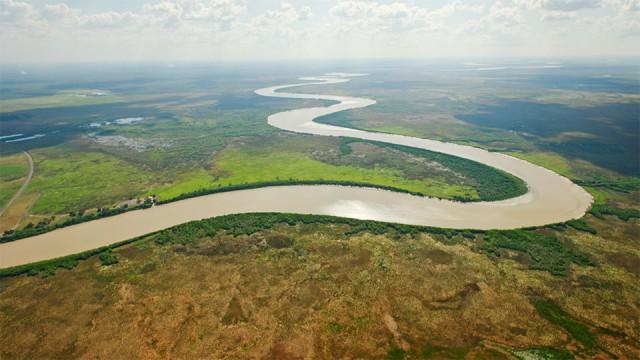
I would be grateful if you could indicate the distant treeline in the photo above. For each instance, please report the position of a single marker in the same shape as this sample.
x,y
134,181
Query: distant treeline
x,y
543,249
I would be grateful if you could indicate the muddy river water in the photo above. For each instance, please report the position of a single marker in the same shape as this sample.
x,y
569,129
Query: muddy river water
x,y
551,198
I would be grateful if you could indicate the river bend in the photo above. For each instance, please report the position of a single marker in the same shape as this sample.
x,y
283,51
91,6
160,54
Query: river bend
x,y
551,198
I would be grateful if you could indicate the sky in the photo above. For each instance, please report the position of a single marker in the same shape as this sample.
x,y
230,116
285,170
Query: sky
x,y
182,30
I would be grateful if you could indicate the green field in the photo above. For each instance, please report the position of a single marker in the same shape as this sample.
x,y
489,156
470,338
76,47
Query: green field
x,y
13,170
71,180
237,166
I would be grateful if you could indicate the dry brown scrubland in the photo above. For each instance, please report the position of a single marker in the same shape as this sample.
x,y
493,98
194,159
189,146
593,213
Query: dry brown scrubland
x,y
310,291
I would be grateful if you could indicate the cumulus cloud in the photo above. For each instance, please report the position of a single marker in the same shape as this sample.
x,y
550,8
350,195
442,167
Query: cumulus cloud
x,y
500,19
173,12
456,7
375,17
350,9
279,22
111,19
60,12
14,11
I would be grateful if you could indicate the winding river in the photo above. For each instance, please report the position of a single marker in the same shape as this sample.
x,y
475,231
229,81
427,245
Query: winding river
x,y
551,198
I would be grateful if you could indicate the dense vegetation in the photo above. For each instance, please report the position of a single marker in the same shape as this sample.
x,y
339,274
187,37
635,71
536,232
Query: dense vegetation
x,y
108,258
492,184
544,250
624,185
555,314
582,226
611,147
600,210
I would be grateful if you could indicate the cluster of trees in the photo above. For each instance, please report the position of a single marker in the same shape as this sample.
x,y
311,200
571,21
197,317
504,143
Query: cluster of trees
x,y
491,184
545,251
625,185
108,258
247,224
582,226
556,315
599,210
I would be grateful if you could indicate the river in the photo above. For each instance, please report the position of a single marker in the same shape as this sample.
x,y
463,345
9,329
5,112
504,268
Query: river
x,y
551,198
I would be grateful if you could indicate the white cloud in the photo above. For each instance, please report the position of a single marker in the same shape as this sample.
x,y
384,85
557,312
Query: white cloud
x,y
557,15
279,22
225,28
351,9
628,6
456,7
110,19
14,11
375,17
500,19
60,11
570,5
181,11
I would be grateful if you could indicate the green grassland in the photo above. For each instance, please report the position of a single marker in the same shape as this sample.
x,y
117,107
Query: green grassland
x,y
69,180
292,160
13,170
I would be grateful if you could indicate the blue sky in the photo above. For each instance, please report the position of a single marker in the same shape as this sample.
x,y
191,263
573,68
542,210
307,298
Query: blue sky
x,y
169,30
